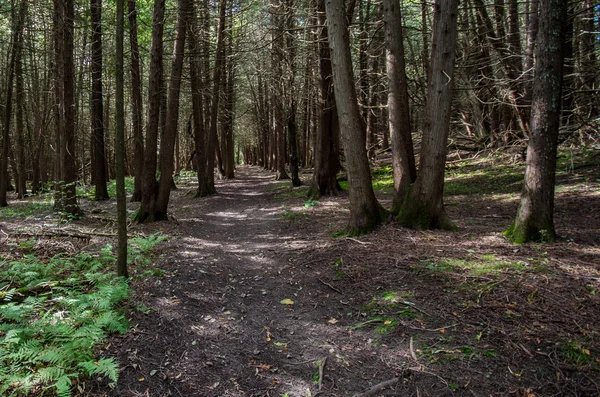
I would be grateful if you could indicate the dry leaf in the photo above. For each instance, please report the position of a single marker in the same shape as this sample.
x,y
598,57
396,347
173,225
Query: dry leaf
x,y
332,320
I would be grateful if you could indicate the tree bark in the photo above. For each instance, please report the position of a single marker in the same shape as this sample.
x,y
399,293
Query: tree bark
x,y
120,144
365,211
327,141
212,138
167,144
197,108
14,56
20,102
149,185
423,206
97,113
535,216
136,104
66,201
403,158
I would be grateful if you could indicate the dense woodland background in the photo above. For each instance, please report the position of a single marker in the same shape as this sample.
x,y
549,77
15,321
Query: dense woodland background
x,y
252,82
389,112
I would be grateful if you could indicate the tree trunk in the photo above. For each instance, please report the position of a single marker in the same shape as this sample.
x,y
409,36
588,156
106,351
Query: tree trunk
x,y
228,142
291,92
149,185
535,216
67,200
167,144
20,102
423,207
120,143
212,139
365,211
96,111
14,56
197,108
136,104
403,158
327,142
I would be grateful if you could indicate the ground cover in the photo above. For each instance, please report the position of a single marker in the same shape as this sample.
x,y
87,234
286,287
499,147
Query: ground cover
x,y
254,292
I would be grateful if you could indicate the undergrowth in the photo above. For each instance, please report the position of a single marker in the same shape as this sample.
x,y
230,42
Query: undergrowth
x,y
52,315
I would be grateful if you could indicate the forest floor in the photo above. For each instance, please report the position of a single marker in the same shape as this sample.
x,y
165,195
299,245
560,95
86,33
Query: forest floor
x,y
256,293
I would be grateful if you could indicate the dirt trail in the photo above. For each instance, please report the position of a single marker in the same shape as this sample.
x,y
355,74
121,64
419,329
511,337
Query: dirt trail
x,y
364,311
217,326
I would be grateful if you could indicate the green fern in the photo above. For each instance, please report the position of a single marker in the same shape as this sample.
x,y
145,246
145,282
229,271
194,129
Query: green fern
x,y
47,339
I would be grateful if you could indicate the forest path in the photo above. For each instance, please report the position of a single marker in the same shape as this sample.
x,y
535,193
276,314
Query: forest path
x,y
217,325
252,296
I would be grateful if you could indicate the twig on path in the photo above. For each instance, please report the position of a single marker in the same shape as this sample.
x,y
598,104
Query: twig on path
x,y
330,286
358,241
414,306
434,329
302,362
378,387
360,325
412,351
422,370
321,368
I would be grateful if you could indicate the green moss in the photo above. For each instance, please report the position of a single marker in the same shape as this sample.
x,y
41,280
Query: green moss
x,y
521,233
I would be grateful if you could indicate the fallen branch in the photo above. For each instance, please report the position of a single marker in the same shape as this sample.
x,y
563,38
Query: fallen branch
x,y
321,368
358,241
360,325
378,387
330,286
52,234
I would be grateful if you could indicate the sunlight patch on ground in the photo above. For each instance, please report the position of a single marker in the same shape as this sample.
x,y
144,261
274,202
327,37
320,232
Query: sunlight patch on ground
x,y
225,214
168,307
197,242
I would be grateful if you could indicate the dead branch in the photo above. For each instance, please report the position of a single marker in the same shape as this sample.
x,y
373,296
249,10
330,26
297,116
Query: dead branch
x,y
378,387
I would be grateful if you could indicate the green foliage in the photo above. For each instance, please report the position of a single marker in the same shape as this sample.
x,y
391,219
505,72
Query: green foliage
x,y
521,233
140,248
310,203
89,191
33,207
474,178
474,266
285,191
54,315
577,354
292,215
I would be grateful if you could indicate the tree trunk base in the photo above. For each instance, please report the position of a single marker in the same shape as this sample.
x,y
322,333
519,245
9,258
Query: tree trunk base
x,y
367,222
416,214
521,233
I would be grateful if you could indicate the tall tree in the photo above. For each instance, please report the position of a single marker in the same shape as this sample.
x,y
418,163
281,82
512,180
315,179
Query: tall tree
x,y
212,138
167,143
66,200
149,185
136,103
365,211
14,58
290,87
423,206
198,122
327,142
120,143
535,216
403,158
97,112
20,102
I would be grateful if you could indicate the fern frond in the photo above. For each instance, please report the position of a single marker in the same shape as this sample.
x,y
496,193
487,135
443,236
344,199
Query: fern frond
x,y
48,375
105,366
63,386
